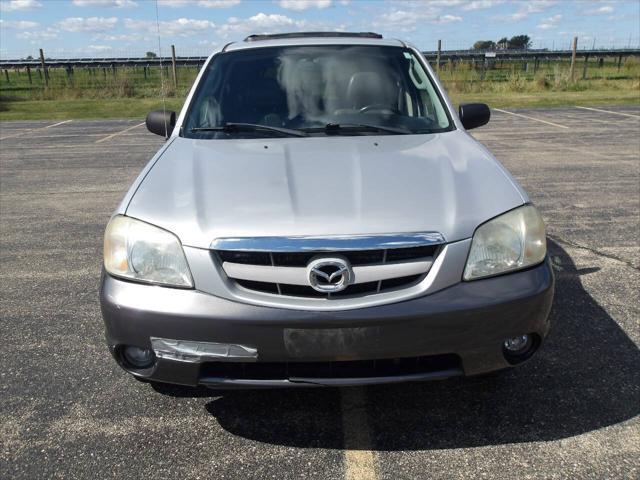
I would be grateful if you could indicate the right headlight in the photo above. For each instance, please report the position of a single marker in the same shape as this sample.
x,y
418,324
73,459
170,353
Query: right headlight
x,y
512,241
144,253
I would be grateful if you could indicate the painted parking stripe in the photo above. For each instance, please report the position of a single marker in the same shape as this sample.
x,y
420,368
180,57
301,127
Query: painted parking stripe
x,y
609,111
29,130
531,118
109,137
59,123
359,458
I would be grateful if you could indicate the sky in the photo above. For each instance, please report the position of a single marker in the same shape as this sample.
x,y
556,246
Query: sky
x,y
115,28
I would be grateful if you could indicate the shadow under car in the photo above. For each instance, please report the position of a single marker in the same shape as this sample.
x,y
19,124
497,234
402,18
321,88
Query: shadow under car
x,y
583,378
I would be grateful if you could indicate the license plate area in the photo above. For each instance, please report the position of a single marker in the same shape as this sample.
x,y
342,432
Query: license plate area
x,y
332,343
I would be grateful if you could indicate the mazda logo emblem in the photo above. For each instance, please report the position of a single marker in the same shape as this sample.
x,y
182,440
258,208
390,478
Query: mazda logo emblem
x,y
329,274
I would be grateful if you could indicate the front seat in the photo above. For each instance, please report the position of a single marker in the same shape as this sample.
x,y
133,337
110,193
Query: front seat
x,y
371,88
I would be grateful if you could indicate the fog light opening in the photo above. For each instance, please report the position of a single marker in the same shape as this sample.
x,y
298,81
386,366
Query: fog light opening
x,y
137,358
518,344
520,348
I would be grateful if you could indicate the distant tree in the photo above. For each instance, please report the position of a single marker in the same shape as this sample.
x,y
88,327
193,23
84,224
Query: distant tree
x,y
503,43
151,55
484,45
29,57
520,42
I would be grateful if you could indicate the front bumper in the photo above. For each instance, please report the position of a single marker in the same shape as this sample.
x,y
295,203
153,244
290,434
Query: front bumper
x,y
468,321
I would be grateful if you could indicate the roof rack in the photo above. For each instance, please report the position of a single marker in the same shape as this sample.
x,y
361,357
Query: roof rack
x,y
278,36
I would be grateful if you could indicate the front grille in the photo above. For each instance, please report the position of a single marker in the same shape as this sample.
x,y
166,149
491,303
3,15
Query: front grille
x,y
351,291
301,259
324,370
284,273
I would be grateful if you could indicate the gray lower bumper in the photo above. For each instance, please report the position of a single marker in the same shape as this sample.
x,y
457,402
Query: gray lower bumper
x,y
470,320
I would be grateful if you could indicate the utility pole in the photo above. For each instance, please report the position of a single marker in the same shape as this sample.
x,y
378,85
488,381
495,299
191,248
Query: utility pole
x,y
438,57
573,58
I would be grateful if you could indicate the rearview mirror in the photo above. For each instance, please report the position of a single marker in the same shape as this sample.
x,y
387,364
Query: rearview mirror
x,y
161,122
474,115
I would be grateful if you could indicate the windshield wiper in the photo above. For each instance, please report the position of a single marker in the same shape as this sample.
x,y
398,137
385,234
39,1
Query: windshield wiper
x,y
231,127
336,128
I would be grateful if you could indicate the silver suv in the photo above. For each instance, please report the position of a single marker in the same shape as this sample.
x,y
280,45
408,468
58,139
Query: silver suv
x,y
319,216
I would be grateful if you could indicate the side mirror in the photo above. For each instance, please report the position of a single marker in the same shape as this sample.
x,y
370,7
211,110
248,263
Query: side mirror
x,y
161,122
474,115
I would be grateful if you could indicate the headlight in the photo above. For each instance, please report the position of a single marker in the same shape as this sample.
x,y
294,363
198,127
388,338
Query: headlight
x,y
136,250
509,242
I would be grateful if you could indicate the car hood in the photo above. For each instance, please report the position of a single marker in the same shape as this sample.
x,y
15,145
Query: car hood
x,y
207,189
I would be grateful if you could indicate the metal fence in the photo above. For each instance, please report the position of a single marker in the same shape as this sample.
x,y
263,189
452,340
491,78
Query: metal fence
x,y
44,77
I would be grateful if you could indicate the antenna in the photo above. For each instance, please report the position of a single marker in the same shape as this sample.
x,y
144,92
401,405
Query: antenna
x,y
164,103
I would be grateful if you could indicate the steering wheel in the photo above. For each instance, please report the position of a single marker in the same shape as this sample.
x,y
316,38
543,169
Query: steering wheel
x,y
380,108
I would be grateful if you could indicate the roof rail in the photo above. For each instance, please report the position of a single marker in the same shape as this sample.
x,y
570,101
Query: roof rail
x,y
278,36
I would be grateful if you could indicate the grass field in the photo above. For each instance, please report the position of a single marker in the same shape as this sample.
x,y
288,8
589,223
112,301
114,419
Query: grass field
x,y
132,92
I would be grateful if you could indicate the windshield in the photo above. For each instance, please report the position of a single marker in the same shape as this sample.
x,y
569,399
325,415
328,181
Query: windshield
x,y
319,90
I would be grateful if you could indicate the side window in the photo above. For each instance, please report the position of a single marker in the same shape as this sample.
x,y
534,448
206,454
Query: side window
x,y
408,101
429,103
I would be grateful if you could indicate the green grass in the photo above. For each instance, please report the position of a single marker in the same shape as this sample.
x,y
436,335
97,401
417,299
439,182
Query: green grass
x,y
139,107
132,92
83,108
548,99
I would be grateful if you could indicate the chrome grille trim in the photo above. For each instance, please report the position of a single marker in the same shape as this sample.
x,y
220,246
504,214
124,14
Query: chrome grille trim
x,y
332,243
446,270
298,275
376,265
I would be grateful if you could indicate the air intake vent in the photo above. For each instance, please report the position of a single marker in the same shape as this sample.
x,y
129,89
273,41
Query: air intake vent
x,y
388,367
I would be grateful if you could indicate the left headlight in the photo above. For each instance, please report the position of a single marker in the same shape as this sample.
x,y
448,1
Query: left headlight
x,y
141,252
512,241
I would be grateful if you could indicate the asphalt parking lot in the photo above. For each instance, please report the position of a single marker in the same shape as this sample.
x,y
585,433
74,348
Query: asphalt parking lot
x,y
68,411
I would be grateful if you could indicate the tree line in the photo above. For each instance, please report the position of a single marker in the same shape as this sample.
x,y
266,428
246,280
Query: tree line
x,y
517,42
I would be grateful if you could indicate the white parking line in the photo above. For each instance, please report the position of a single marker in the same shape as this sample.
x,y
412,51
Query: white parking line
x,y
108,137
531,118
609,111
59,123
28,130
359,461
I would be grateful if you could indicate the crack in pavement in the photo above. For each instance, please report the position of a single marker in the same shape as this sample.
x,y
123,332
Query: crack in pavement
x,y
592,250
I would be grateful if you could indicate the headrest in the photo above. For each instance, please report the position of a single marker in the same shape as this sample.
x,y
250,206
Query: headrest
x,y
370,88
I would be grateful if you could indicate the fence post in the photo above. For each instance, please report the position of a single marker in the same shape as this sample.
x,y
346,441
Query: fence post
x,y
584,69
44,68
29,74
573,58
619,61
438,57
6,74
173,66
70,75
